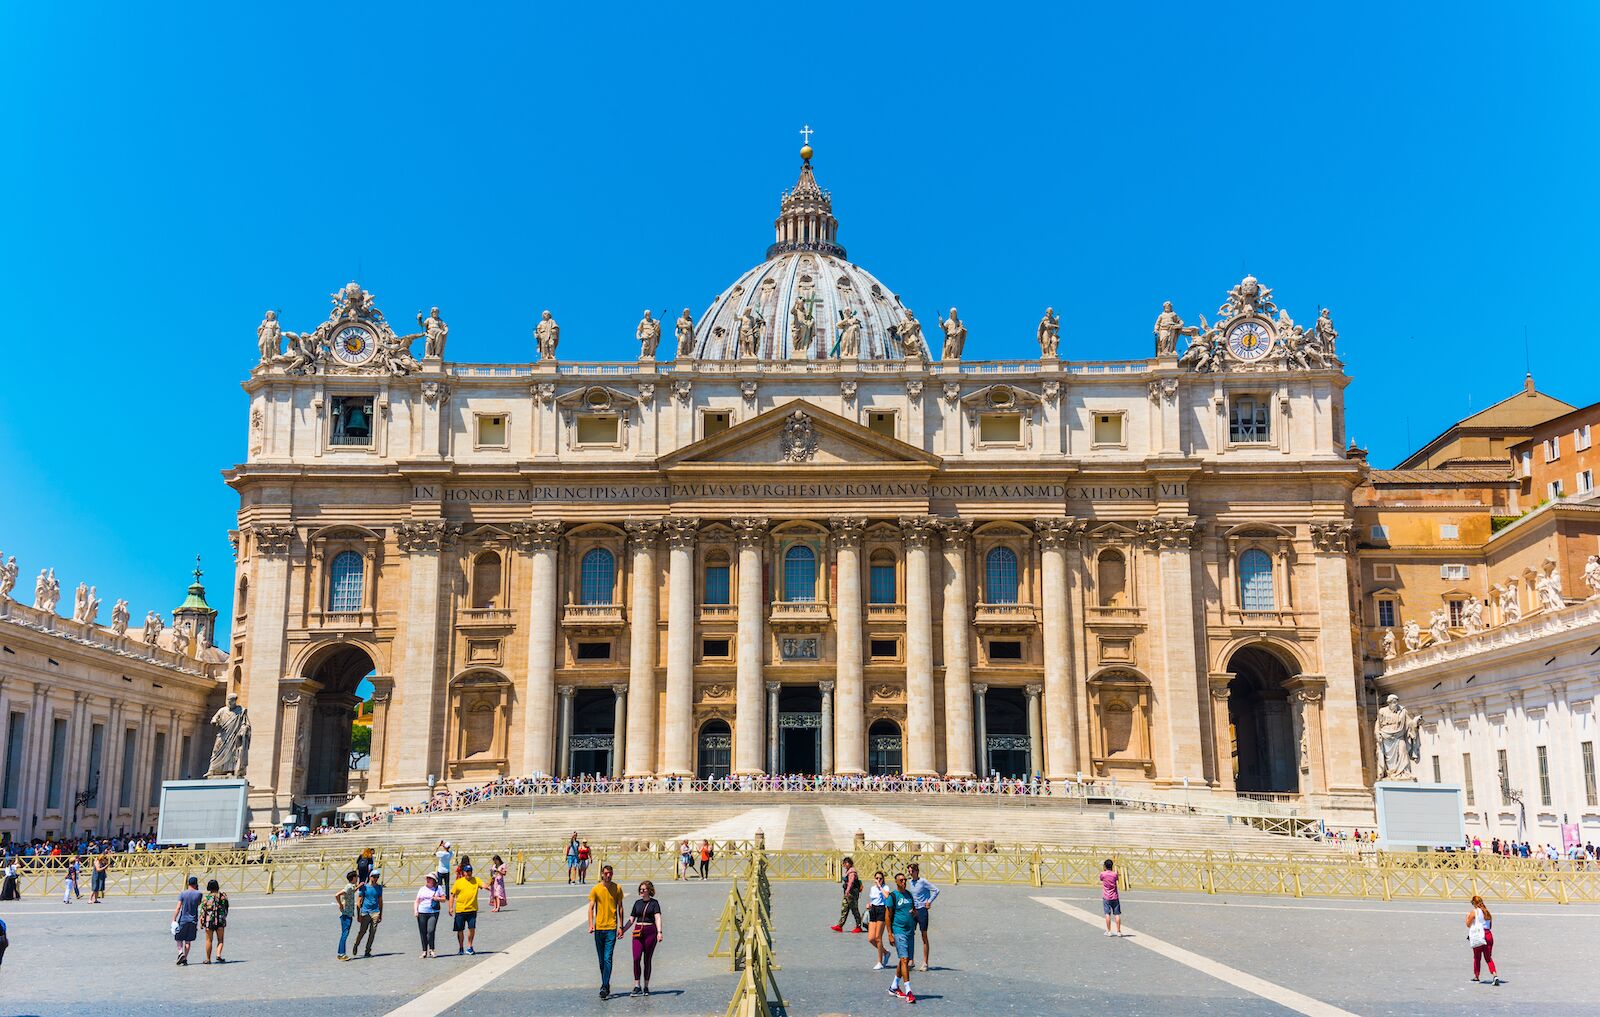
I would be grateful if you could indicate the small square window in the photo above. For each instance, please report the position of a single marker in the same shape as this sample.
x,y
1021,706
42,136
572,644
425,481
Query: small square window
x,y
351,420
1000,428
881,422
885,649
593,651
1449,531
1580,438
1555,489
1380,532
1453,571
1249,420
1526,462
714,422
1108,429
1552,449
597,429
716,648
1386,614
491,430
1005,649
1383,572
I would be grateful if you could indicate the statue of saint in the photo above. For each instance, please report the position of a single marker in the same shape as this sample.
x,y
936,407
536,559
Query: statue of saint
x,y
1388,644
119,618
8,577
46,590
1472,616
180,641
1325,332
1413,636
1168,328
684,330
269,337
910,333
751,326
1591,576
434,332
649,335
1510,602
802,325
1399,744
228,755
1548,589
152,628
91,606
1049,332
548,335
80,602
955,336
849,334
1439,627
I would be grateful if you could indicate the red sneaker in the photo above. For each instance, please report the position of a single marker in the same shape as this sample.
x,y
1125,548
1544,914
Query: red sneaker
x,y
908,997
896,992
837,928
857,931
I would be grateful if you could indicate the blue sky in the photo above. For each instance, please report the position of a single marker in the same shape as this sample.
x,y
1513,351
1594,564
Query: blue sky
x,y
1425,170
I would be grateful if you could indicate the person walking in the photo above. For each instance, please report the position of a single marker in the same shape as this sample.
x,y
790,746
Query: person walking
x,y
11,888
648,932
97,877
1110,899
430,896
364,864
214,918
5,941
924,893
850,882
706,854
877,907
497,883
69,882
443,869
186,918
605,917
1480,936
584,856
685,861
369,913
345,901
901,915
572,858
464,906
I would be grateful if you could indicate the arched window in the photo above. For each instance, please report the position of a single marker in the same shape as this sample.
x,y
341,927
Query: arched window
x,y
344,582
716,591
597,577
241,603
799,574
882,585
1000,576
486,580
1255,581
1112,578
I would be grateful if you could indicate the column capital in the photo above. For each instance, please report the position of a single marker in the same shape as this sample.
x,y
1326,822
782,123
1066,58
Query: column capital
x,y
917,530
621,689
426,534
847,530
749,531
642,533
566,691
1168,533
956,532
1334,536
773,688
1033,691
980,688
1056,533
826,687
272,539
681,532
536,534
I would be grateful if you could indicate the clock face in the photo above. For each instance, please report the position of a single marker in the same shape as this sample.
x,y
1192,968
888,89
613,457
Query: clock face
x,y
354,345
1249,340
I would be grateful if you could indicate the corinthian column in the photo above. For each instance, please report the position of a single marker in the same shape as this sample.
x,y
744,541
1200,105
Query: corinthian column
x,y
751,534
919,741
541,539
419,675
958,740
1061,752
844,741
827,726
644,634
678,755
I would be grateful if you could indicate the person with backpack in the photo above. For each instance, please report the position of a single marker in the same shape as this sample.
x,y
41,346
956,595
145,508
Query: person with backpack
x,y
1480,936
850,883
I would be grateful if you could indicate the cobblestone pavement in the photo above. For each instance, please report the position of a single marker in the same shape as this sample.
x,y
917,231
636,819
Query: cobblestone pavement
x,y
996,950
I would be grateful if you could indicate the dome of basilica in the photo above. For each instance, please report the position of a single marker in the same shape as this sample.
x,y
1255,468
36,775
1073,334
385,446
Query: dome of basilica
x,y
790,306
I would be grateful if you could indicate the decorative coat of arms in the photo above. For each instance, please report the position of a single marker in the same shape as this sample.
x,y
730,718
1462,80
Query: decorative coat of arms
x,y
799,438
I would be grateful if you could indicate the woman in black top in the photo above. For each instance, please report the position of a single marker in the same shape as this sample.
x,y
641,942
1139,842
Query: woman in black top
x,y
648,930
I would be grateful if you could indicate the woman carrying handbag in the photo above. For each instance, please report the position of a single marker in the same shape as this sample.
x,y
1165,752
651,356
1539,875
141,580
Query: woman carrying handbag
x,y
1480,936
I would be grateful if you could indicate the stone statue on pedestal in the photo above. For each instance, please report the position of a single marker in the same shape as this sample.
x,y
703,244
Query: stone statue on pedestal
x,y
1591,576
8,577
955,336
119,618
46,590
802,325
1168,328
435,332
1388,644
269,337
152,628
648,333
1413,636
684,330
1398,741
849,334
1439,626
1548,589
1472,616
180,641
548,335
1049,333
751,325
229,753
910,332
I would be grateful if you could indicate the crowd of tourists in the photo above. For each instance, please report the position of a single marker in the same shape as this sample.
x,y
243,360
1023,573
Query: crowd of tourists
x,y
899,908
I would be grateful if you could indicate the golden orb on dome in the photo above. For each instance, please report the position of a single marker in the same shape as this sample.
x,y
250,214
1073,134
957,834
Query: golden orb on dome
x,y
805,152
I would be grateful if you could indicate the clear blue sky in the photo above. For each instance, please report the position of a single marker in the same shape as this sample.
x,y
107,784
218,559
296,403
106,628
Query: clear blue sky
x,y
1426,171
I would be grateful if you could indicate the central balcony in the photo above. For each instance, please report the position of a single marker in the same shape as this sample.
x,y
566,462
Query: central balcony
x,y
1005,618
798,615
592,617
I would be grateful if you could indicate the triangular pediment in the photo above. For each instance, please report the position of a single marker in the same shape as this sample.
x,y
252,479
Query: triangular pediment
x,y
799,435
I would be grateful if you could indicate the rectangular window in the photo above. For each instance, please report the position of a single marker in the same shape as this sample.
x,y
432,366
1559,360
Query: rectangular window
x,y
1453,571
881,422
1000,428
719,649
1585,481
1249,420
1449,531
597,429
1386,614
714,422
1466,779
1552,449
1005,649
1380,532
183,757
158,771
350,418
1591,796
885,649
16,727
1526,463
1108,429
716,593
492,430
58,762
1555,489
1544,774
882,585
97,755
1505,776
130,745
593,651
1457,611
1580,438
1438,775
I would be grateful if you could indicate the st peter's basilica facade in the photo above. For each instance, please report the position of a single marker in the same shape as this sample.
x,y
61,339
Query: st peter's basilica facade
x,y
807,543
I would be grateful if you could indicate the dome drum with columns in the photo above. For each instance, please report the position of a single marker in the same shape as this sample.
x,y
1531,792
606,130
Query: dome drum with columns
x,y
799,548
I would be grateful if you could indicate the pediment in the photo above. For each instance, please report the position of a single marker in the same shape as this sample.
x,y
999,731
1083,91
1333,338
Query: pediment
x,y
799,435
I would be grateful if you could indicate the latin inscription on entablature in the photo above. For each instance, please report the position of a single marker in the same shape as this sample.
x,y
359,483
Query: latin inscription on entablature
x,y
537,494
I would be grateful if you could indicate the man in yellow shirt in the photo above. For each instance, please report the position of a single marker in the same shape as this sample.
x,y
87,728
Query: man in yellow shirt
x,y
464,905
605,918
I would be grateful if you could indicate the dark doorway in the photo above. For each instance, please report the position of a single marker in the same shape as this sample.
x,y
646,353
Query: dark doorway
x,y
594,719
716,750
1265,753
799,729
1005,714
339,669
883,748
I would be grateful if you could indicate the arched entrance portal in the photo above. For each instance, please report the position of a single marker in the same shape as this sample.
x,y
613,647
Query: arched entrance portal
x,y
340,670
1265,749
883,748
716,750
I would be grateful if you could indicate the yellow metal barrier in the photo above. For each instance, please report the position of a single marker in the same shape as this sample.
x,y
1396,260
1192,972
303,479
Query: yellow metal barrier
x,y
757,992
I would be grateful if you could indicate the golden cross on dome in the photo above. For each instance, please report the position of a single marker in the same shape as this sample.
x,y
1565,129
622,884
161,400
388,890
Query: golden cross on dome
x,y
805,134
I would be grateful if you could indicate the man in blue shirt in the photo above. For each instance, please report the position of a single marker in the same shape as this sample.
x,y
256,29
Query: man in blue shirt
x,y
923,893
899,913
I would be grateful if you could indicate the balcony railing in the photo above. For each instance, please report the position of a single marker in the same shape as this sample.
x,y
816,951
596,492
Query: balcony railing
x,y
1006,616
788,613
486,616
592,616
718,612
1115,613
886,612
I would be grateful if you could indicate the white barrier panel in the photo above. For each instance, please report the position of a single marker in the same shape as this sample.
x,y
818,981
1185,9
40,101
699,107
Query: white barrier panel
x,y
1419,815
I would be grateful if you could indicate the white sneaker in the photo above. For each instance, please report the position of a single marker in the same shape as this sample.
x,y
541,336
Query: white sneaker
x,y
924,966
1109,933
879,967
